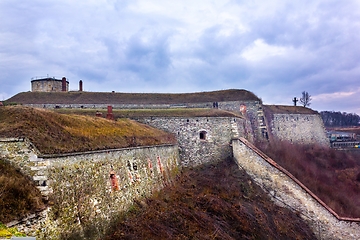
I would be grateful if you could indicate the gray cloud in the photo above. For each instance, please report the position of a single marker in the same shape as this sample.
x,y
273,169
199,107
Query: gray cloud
x,y
277,49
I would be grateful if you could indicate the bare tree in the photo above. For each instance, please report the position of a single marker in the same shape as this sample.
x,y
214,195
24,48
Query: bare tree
x,y
305,99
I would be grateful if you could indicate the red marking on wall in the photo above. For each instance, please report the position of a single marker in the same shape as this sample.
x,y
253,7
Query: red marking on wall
x,y
114,181
150,166
149,163
159,164
243,109
130,176
137,177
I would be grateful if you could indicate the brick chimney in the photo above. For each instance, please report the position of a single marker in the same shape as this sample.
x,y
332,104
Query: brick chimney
x,y
109,114
63,85
80,85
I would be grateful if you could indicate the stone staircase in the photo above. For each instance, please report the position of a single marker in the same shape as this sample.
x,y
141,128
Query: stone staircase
x,y
263,133
39,168
234,130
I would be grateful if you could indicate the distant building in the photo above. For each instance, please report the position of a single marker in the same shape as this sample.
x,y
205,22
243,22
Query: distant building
x,y
48,84
335,136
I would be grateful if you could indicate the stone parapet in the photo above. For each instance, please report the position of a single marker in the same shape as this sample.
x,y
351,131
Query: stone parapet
x,y
286,191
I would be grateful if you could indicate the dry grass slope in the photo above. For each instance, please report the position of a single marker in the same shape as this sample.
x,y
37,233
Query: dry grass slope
x,y
54,133
18,194
211,202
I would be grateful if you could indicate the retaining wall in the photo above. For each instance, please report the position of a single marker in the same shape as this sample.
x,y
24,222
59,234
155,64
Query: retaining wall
x,y
287,192
84,198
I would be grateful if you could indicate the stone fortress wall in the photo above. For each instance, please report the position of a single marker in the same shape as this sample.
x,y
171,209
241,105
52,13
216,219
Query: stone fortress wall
x,y
84,198
251,110
299,128
286,191
202,139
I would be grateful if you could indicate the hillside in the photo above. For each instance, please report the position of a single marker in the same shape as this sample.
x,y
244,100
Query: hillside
x,y
211,202
129,98
54,133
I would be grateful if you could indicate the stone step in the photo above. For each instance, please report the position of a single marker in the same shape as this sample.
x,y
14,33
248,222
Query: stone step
x,y
40,178
38,168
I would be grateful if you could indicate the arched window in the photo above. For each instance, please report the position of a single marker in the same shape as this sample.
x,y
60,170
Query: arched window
x,y
202,135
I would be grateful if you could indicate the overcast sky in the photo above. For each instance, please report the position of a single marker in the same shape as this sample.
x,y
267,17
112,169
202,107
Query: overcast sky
x,y
276,49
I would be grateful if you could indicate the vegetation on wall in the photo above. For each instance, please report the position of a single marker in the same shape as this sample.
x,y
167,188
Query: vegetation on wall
x,y
18,194
55,133
333,175
210,202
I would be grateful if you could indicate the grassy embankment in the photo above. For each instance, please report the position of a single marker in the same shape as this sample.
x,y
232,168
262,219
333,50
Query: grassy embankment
x,y
55,133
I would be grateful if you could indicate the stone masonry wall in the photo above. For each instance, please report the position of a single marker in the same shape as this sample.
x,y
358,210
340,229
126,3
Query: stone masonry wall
x,y
48,85
84,197
299,128
286,192
217,134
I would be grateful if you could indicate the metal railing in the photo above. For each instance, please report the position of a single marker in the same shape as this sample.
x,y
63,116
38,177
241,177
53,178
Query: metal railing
x,y
45,77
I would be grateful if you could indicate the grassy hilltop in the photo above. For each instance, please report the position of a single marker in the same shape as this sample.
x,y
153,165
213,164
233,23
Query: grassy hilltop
x,y
130,98
55,133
